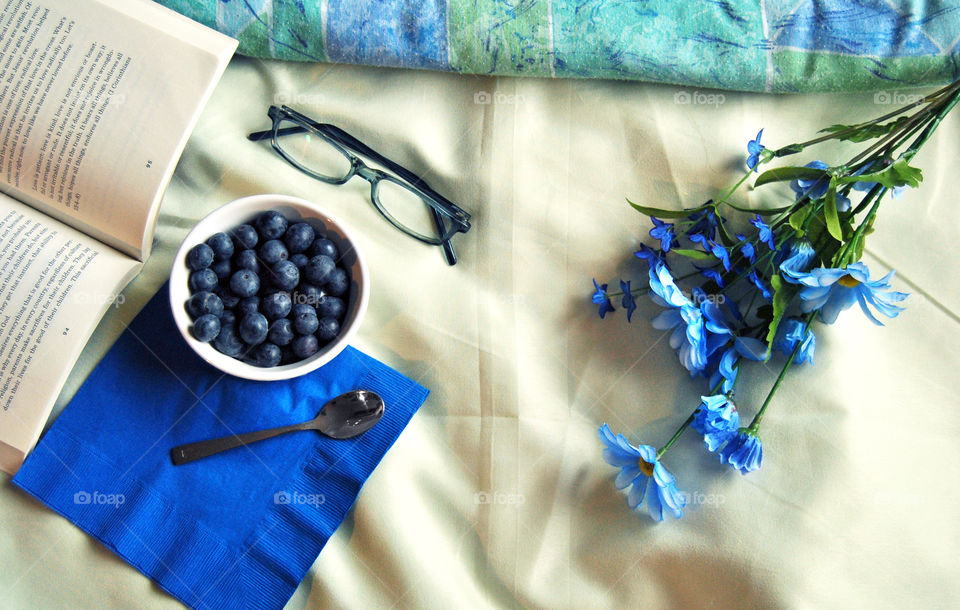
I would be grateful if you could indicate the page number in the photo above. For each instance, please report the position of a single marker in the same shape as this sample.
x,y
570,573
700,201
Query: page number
x,y
149,163
65,331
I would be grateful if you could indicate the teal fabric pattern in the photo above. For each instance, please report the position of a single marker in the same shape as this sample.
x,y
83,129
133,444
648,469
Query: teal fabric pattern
x,y
773,45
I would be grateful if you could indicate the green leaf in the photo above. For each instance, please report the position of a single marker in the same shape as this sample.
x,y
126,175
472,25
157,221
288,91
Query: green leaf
x,y
781,174
830,212
694,254
866,132
900,173
661,213
782,294
798,218
792,149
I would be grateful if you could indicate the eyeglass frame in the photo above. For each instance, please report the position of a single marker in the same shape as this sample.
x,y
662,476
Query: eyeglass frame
x,y
442,209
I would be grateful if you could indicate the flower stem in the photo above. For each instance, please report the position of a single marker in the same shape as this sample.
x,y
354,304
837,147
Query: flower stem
x,y
755,424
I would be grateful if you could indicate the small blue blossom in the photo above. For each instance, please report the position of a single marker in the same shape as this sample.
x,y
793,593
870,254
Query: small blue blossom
x,y
600,298
765,234
648,254
712,274
753,148
833,290
746,248
643,473
714,248
627,301
743,451
797,259
816,188
728,366
716,419
756,281
664,232
789,333
704,223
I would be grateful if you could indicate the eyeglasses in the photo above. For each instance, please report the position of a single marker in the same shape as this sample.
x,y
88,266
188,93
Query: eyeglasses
x,y
327,153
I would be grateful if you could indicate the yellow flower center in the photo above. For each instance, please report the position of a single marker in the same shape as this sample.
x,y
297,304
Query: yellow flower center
x,y
645,467
848,281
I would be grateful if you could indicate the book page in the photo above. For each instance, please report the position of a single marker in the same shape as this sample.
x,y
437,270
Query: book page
x,y
55,285
97,100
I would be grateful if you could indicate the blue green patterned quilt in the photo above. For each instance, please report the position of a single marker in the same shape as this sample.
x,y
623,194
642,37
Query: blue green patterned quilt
x,y
770,45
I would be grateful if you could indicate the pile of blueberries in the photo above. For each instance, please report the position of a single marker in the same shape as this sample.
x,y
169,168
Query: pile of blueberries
x,y
267,293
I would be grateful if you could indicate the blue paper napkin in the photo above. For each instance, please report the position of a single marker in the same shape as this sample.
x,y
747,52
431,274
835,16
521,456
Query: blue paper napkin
x,y
237,529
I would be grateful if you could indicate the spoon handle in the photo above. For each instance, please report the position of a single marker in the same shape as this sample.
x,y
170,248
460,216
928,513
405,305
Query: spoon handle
x,y
201,449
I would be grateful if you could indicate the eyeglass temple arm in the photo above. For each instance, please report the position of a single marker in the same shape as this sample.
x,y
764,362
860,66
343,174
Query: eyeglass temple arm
x,y
345,138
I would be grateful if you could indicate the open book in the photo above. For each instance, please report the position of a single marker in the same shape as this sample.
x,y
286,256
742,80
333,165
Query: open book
x,y
97,100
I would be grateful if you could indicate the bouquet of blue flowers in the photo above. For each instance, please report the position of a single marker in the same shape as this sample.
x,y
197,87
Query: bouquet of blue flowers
x,y
738,284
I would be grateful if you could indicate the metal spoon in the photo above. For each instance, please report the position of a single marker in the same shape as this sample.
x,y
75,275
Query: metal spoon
x,y
345,416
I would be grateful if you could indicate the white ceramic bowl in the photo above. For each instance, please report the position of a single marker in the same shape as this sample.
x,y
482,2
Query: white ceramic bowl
x,y
245,210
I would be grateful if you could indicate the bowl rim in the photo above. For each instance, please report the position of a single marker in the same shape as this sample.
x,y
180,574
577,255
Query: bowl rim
x,y
250,206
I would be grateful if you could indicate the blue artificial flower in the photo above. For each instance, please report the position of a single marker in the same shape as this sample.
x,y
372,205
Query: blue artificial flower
x,y
765,234
714,248
816,188
647,478
717,420
789,333
756,281
664,232
627,301
689,336
833,290
712,274
753,148
704,223
646,253
600,298
743,451
746,248
727,366
797,259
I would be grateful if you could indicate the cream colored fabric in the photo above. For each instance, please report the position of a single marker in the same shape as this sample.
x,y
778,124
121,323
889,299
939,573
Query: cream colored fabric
x,y
496,494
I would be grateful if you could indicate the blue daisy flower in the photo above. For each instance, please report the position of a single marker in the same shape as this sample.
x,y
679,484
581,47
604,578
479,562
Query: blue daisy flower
x,y
627,302
753,149
644,474
789,333
600,298
765,234
664,232
797,259
728,365
717,420
743,451
833,290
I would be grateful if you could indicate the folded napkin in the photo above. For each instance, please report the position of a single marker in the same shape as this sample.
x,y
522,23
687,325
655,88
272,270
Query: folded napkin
x,y
237,529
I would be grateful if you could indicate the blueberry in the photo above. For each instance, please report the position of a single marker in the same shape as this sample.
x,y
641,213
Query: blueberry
x,y
287,356
249,304
244,283
222,246
281,332
324,246
223,269
227,342
203,303
204,280
284,275
228,317
253,328
327,329
338,283
276,305
308,294
318,270
272,251
199,257
305,320
331,307
230,300
299,259
266,355
271,224
299,237
247,259
305,346
205,328
244,237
